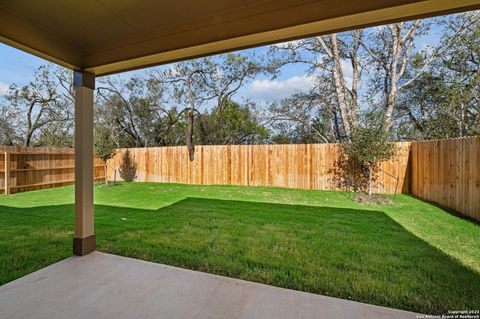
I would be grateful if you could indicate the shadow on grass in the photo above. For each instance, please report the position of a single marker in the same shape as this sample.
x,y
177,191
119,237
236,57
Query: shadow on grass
x,y
349,253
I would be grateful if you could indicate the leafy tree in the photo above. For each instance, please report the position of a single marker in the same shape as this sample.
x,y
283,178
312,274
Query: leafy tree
x,y
444,100
361,156
390,49
324,57
351,68
104,146
298,119
8,132
197,83
135,110
233,124
159,107
46,102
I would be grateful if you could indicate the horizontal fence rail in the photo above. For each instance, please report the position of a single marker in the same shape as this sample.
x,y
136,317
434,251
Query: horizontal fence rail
x,y
32,168
304,166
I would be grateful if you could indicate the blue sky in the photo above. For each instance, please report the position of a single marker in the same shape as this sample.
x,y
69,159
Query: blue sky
x,y
18,67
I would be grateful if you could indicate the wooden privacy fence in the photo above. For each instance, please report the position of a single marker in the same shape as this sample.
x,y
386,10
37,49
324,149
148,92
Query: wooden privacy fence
x,y
443,171
448,172
305,166
31,168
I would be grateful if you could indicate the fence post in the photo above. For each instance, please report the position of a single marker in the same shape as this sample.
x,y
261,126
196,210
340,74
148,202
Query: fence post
x,y
7,173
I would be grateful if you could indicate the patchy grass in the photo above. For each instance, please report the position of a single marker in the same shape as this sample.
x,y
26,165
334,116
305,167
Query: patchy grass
x,y
374,199
409,255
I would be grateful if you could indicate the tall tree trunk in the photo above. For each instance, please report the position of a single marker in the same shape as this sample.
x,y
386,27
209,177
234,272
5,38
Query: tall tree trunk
x,y
105,172
340,87
28,136
189,137
392,92
462,119
357,38
28,139
190,146
369,181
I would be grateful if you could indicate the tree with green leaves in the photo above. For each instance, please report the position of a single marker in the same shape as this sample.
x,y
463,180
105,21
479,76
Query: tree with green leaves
x,y
301,118
136,111
161,106
195,84
348,69
40,109
362,155
444,101
104,146
233,124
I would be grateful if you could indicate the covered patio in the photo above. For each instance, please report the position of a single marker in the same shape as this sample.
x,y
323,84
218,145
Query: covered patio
x,y
95,38
101,285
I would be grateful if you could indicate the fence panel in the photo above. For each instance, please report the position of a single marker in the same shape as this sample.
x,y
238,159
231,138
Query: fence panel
x,y
33,168
447,172
304,166
443,171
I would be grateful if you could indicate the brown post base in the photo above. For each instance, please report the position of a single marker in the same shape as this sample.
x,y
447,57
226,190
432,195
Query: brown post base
x,y
83,246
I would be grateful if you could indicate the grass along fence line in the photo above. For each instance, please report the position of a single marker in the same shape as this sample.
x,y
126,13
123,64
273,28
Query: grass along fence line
x,y
32,168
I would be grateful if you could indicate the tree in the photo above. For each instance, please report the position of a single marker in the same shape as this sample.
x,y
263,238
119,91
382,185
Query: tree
x,y
353,68
8,131
326,58
104,146
389,49
300,120
160,106
444,100
197,83
136,111
362,155
233,124
45,102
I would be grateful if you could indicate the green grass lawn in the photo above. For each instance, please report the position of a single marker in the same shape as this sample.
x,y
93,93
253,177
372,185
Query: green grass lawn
x,y
412,255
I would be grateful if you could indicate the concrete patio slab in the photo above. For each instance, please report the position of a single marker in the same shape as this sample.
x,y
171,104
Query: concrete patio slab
x,y
101,285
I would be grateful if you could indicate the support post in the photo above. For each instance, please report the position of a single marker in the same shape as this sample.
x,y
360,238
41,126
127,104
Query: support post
x,y
7,173
84,241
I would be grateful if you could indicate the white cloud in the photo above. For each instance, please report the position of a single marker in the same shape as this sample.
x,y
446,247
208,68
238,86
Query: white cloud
x,y
3,88
347,70
278,89
284,45
427,48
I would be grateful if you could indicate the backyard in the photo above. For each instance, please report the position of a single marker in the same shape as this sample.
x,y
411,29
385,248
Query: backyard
x,y
411,255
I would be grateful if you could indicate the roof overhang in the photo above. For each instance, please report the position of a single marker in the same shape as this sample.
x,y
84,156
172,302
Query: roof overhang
x,y
110,36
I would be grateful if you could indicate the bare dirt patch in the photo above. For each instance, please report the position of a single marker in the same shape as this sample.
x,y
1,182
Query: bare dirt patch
x,y
374,199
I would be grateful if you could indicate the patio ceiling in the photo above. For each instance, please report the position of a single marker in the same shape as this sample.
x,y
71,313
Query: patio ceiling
x,y
110,36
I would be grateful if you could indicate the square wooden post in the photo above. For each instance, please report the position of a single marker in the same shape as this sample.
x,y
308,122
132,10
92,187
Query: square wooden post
x,y
84,241
7,173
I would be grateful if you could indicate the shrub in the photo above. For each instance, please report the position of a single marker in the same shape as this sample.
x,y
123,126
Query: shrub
x,y
104,146
359,160
128,168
